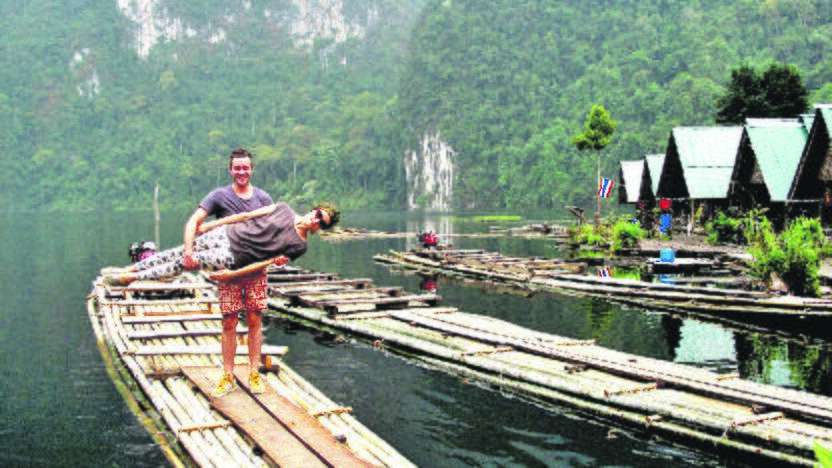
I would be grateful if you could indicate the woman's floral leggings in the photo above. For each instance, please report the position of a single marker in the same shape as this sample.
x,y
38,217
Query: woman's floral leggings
x,y
212,250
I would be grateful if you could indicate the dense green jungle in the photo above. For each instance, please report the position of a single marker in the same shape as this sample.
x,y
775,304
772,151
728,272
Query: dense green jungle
x,y
88,122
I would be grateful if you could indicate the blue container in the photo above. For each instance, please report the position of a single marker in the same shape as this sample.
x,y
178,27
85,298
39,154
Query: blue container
x,y
667,255
667,279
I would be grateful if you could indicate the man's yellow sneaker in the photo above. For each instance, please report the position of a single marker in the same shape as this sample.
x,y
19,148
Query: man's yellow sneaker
x,y
225,386
255,380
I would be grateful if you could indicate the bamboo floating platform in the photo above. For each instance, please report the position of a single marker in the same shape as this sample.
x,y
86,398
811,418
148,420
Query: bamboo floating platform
x,y
161,346
343,233
804,315
692,406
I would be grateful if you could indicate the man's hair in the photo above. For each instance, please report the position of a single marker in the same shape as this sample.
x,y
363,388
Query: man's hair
x,y
240,153
333,212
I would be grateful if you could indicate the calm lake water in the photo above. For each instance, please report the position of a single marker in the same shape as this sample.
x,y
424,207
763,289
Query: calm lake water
x,y
58,407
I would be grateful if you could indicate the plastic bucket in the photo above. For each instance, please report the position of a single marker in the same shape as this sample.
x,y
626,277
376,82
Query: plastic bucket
x,y
667,279
667,255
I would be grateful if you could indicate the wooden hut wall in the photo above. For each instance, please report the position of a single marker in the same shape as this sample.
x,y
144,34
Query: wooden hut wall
x,y
748,187
646,196
622,187
672,183
814,173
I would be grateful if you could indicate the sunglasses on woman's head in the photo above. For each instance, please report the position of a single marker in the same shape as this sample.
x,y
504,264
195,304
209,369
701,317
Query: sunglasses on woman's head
x,y
319,215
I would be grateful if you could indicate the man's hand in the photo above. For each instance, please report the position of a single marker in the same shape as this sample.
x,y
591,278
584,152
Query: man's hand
x,y
189,262
221,275
280,260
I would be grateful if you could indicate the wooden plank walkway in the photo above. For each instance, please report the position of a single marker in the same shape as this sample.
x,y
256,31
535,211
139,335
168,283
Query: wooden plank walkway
x,y
161,344
696,406
296,440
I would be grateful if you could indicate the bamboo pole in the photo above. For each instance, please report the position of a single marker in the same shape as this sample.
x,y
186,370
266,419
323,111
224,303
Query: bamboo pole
x,y
159,404
156,213
199,411
150,423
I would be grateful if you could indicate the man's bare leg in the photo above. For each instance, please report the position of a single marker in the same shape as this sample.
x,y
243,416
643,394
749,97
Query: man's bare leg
x,y
229,349
229,342
255,343
255,337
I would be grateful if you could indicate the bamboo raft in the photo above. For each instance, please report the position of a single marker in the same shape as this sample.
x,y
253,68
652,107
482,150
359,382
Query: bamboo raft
x,y
161,346
688,405
790,313
340,234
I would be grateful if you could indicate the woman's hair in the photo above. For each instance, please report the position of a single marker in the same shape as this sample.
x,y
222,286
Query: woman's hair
x,y
333,212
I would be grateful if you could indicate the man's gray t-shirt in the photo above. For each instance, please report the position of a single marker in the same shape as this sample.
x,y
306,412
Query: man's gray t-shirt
x,y
266,237
224,201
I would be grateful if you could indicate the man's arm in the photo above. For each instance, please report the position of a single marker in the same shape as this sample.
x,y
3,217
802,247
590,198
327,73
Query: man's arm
x,y
236,218
225,275
191,228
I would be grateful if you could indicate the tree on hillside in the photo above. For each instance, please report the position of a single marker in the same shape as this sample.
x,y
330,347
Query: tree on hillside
x,y
596,136
777,92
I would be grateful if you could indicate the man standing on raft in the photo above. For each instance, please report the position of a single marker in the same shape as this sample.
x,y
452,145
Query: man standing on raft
x,y
247,292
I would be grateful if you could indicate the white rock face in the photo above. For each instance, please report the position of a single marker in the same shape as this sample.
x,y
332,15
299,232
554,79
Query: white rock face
x,y
152,23
306,21
430,174
324,19
88,82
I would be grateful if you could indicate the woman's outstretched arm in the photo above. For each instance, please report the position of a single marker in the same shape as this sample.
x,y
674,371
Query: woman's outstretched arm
x,y
236,218
225,275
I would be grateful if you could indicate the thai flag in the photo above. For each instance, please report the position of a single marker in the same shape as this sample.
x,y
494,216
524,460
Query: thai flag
x,y
604,272
605,189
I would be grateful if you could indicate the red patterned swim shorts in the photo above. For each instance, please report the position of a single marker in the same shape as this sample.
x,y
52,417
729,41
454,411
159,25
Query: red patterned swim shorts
x,y
248,292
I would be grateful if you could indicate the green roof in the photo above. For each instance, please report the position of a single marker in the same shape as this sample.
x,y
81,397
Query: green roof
x,y
778,150
826,112
808,120
655,163
631,173
707,156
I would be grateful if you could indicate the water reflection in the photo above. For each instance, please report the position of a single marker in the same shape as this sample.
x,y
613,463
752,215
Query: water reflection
x,y
706,345
429,285
600,315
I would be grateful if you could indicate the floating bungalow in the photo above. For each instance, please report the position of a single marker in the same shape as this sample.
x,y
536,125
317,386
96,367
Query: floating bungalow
x,y
781,165
640,180
698,166
812,184
770,150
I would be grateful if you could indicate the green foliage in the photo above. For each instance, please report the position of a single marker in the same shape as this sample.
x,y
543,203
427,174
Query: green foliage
x,y
626,273
824,455
776,92
626,235
794,255
492,218
598,130
585,234
724,230
503,82
623,234
319,117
